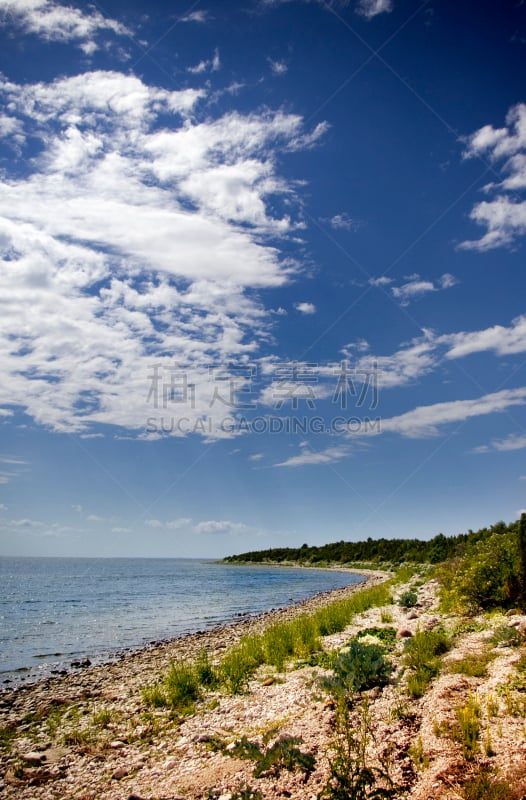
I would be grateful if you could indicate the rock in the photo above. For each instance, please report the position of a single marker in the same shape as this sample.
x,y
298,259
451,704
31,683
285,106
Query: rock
x,y
403,633
117,744
34,759
412,615
120,773
268,682
230,746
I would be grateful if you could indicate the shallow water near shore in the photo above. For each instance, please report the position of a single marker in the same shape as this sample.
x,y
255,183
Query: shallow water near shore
x,y
54,611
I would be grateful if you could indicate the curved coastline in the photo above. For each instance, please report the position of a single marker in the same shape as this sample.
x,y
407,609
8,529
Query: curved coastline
x,y
134,668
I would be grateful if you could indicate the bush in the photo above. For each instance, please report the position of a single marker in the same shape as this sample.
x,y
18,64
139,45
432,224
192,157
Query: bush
x,y
487,576
408,599
360,666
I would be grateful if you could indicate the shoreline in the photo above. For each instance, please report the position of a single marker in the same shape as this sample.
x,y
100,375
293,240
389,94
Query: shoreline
x,y
138,667
27,674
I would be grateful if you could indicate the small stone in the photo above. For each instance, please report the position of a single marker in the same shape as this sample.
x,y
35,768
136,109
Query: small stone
x,y
412,615
267,682
117,744
403,633
34,758
120,773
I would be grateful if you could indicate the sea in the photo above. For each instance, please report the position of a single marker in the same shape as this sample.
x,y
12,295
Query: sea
x,y
55,611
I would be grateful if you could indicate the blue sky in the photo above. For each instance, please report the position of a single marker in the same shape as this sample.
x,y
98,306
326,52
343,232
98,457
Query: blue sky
x,y
262,273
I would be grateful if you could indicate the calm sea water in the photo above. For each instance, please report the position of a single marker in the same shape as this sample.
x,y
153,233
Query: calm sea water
x,y
57,610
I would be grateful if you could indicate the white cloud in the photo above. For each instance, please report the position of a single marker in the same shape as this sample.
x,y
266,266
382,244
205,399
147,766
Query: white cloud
x,y
121,530
223,527
94,518
310,458
195,16
3,507
503,217
371,8
256,457
343,222
383,280
173,524
514,441
278,67
305,308
54,22
130,245
424,421
211,65
416,287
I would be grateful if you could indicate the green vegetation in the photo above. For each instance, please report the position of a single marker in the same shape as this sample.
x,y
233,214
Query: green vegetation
x,y
474,665
467,730
380,551
408,599
486,576
283,754
352,776
358,666
506,636
422,656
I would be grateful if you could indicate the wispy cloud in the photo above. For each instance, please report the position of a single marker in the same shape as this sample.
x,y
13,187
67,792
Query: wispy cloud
x,y
504,216
54,22
425,421
416,287
309,457
371,8
278,67
211,65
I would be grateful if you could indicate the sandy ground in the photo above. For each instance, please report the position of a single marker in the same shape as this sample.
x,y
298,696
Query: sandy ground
x,y
89,734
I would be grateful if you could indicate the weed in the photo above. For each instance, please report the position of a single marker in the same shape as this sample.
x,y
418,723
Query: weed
x,y
485,785
492,706
468,731
205,671
386,617
78,737
422,655
154,696
238,666
246,793
352,777
416,751
283,754
7,735
488,744
103,717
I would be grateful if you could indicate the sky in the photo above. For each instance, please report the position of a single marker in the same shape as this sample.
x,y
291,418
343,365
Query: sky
x,y
262,277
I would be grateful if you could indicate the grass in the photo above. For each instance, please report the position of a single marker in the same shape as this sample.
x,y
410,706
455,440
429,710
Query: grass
x,y
475,665
468,728
422,656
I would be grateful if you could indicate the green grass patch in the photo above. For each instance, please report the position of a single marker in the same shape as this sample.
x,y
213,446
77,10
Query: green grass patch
x,y
475,665
423,656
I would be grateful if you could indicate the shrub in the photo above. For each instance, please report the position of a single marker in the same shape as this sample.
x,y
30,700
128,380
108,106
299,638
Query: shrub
x,y
487,576
506,636
408,599
359,666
